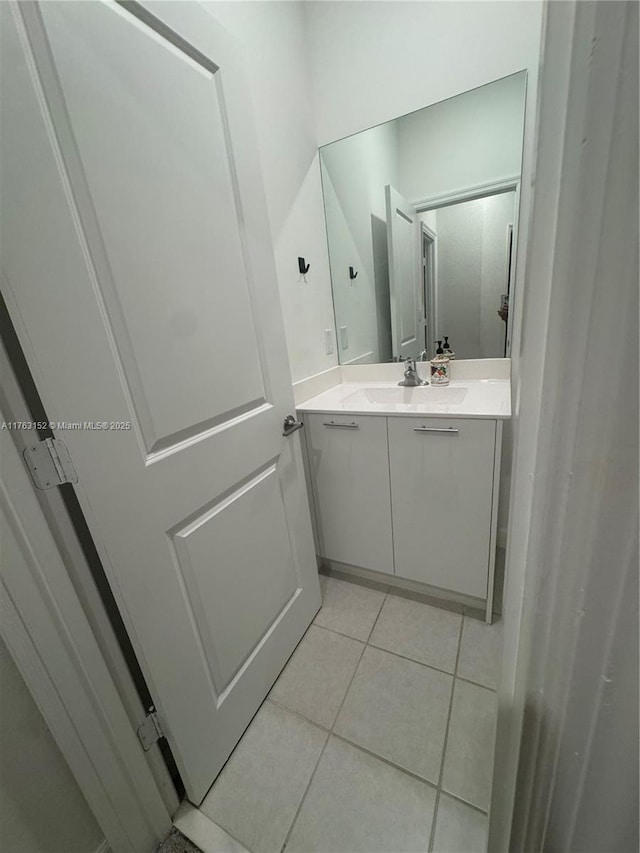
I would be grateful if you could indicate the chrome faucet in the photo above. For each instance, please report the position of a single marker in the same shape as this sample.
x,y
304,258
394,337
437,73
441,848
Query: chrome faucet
x,y
411,378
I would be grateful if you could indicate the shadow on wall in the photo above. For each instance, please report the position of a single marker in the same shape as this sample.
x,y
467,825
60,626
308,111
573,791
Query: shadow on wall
x,y
41,807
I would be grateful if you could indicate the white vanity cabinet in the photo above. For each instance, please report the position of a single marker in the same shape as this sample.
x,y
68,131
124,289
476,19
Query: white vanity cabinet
x,y
349,468
412,497
405,480
442,494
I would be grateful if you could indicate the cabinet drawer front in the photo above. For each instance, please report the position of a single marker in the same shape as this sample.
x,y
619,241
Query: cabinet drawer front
x,y
442,492
349,463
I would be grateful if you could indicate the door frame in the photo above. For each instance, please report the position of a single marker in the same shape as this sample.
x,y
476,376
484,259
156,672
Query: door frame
x,y
45,628
507,185
583,61
433,202
429,260
392,208
59,636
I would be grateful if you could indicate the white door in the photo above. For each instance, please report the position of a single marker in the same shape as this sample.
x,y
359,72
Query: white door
x,y
137,267
405,287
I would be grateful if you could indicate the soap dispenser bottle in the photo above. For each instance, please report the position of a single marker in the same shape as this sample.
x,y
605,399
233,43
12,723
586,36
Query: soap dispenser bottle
x,y
446,346
440,367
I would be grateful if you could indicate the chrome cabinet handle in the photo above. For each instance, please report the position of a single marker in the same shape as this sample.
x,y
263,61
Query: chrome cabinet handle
x,y
447,430
352,425
290,425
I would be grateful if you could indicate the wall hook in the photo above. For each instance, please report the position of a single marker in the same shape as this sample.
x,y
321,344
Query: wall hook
x,y
303,266
352,274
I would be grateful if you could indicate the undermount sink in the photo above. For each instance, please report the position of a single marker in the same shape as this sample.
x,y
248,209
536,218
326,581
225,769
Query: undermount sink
x,y
446,396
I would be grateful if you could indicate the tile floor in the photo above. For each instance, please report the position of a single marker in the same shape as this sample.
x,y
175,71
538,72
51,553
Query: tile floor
x,y
377,737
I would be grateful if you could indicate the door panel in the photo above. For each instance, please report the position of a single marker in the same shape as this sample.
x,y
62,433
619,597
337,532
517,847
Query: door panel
x,y
160,176
134,268
219,562
403,241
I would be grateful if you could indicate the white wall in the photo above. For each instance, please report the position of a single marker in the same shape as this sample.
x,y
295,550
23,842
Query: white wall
x,y
475,138
373,61
272,38
355,173
318,71
41,807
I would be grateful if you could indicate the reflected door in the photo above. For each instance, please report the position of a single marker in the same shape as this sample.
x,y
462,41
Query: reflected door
x,y
141,280
403,241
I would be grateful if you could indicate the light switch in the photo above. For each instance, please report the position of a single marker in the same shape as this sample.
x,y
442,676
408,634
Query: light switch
x,y
344,337
328,341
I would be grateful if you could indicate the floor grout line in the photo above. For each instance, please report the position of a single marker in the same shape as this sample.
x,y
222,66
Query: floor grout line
x,y
464,802
304,796
405,657
346,692
297,714
375,755
329,732
436,805
476,684
412,660
354,743
339,633
375,621
384,760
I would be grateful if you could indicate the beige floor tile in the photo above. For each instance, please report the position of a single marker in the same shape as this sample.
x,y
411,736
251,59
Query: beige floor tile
x,y
468,762
256,796
315,680
348,608
418,631
459,828
480,652
359,804
398,709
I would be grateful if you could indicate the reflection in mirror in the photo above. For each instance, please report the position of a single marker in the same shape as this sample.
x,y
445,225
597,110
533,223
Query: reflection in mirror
x,y
421,214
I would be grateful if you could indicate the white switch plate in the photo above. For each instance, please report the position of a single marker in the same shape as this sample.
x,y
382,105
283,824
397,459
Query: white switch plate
x,y
344,337
328,341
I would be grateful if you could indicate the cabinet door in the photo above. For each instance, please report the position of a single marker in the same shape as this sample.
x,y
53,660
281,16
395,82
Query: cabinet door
x,y
349,462
442,492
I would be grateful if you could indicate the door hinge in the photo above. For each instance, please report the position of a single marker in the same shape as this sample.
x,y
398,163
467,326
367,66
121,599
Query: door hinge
x,y
150,731
49,463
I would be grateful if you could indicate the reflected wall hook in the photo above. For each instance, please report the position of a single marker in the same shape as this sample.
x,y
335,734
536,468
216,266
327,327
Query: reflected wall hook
x,y
352,274
303,266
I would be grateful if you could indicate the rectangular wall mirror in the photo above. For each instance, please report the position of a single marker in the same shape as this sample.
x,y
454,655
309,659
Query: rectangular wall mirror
x,y
422,216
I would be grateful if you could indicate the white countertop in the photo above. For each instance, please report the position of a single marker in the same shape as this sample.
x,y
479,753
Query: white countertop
x,y
468,398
